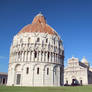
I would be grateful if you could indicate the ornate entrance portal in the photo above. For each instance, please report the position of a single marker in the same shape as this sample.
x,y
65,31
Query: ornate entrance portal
x,y
73,81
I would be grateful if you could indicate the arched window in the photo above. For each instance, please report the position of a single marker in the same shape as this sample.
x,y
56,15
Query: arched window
x,y
27,70
35,54
54,41
48,55
38,39
19,54
38,70
47,71
29,40
21,40
42,53
47,40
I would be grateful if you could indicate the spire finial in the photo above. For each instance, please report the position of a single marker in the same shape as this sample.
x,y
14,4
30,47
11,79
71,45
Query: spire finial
x,y
39,14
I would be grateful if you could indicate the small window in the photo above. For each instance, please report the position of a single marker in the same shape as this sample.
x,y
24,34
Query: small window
x,y
54,41
38,39
19,54
29,40
38,70
47,71
48,55
42,53
27,70
35,54
46,40
21,40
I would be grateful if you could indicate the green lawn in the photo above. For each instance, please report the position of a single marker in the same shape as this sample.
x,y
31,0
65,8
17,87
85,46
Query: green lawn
x,y
46,89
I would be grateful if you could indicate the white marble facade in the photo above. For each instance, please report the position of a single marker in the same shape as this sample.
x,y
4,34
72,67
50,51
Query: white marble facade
x,y
78,72
36,59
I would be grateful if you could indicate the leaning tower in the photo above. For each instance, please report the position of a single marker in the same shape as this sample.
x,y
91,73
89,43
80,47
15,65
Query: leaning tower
x,y
36,56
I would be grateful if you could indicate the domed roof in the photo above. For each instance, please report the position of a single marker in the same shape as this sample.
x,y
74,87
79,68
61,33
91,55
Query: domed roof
x,y
84,60
38,25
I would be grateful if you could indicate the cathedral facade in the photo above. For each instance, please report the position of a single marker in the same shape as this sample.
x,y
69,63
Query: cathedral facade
x,y
78,72
36,56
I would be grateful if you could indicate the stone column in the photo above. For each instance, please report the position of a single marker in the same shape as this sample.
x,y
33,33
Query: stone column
x,y
43,56
56,58
49,57
17,57
40,56
22,56
46,57
25,56
32,57
43,77
28,56
52,57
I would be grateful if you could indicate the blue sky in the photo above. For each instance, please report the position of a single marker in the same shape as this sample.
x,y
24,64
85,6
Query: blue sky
x,y
72,19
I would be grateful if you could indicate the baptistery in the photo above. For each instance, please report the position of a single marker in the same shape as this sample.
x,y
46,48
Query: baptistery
x,y
36,56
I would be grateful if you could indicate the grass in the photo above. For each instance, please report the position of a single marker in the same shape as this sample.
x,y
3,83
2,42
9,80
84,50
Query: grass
x,y
46,89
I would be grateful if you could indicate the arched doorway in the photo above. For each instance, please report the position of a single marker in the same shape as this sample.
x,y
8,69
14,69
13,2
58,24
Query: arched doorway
x,y
18,74
73,81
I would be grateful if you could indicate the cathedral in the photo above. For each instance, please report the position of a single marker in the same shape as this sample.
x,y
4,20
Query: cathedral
x,y
36,56
78,72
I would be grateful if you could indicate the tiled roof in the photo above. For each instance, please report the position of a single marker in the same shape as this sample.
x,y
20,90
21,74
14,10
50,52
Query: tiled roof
x,y
3,73
38,25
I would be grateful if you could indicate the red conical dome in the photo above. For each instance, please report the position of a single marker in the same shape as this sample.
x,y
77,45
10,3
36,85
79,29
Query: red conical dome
x,y
38,25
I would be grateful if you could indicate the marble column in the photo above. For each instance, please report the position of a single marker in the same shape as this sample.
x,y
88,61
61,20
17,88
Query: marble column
x,y
25,56
37,56
46,57
28,56
17,57
22,56
49,56
32,57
